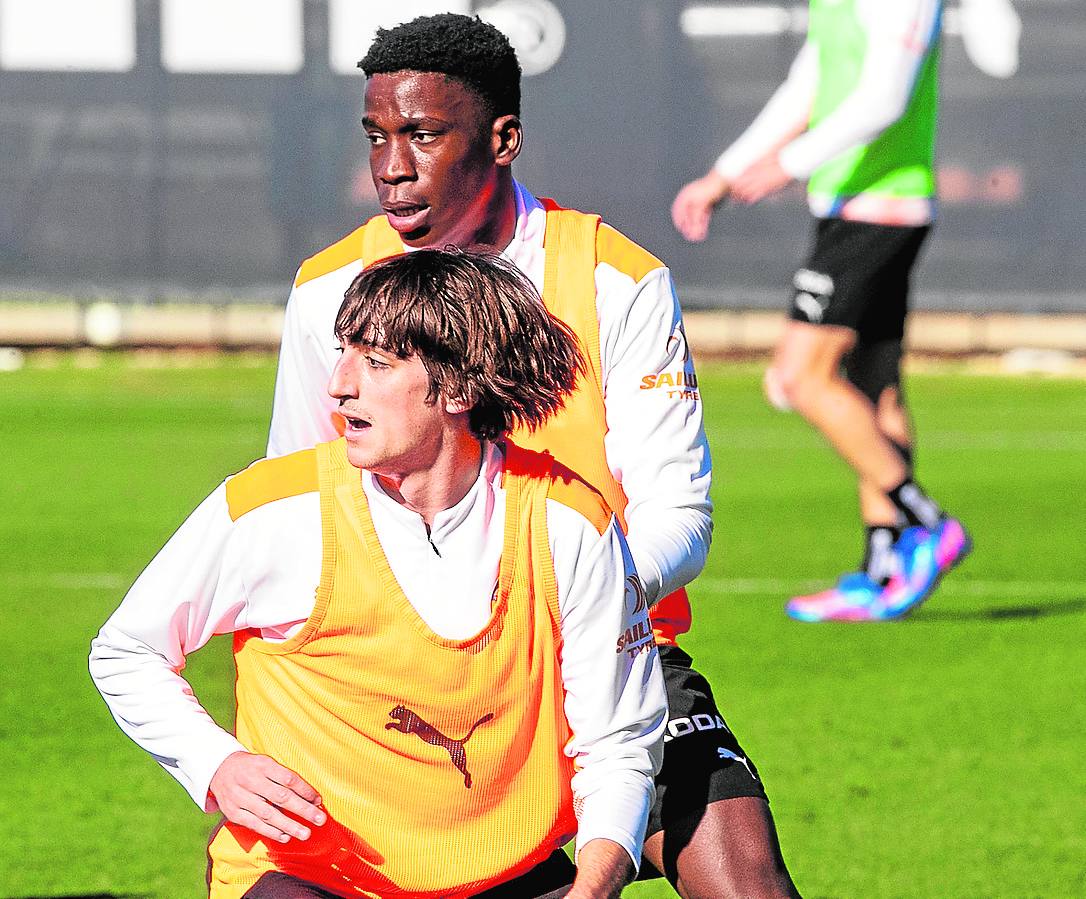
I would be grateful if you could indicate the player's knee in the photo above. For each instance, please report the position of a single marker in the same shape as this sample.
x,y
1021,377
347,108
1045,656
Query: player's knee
x,y
731,850
791,387
774,391
888,401
757,875
769,879
746,877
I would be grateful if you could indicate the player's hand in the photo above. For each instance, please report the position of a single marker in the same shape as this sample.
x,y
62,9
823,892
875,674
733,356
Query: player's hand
x,y
760,180
694,204
254,790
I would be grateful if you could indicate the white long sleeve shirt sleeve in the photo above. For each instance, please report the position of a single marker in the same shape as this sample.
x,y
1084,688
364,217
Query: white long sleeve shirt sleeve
x,y
899,33
656,446
785,114
991,30
655,442
302,409
216,575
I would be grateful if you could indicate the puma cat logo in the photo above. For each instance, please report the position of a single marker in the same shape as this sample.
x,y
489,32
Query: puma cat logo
x,y
409,722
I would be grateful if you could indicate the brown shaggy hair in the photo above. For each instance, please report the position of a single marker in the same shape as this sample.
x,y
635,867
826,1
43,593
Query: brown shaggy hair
x,y
478,326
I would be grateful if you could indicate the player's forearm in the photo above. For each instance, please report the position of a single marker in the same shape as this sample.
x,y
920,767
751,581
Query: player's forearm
x,y
154,706
898,38
603,869
862,117
783,117
615,808
670,546
615,702
184,596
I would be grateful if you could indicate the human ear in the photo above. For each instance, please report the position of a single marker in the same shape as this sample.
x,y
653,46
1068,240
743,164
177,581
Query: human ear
x,y
507,138
457,406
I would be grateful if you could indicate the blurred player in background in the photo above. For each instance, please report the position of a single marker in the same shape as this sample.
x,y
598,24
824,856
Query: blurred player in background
x,y
427,682
856,119
442,110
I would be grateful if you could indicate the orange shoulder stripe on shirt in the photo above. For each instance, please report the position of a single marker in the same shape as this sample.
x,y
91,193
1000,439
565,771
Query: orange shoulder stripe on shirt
x,y
618,251
271,479
343,252
375,240
572,491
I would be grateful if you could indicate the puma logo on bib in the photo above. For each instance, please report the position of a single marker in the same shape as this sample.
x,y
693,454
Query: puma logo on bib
x,y
409,722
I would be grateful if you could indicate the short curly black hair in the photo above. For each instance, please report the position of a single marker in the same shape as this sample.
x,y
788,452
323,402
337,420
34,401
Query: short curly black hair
x,y
462,47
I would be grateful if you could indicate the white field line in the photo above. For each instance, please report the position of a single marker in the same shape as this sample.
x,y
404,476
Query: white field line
x,y
949,587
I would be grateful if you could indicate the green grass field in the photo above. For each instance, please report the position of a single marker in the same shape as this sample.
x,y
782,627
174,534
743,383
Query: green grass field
x,y
937,757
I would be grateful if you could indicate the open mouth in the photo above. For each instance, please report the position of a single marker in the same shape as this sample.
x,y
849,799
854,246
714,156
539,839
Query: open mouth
x,y
406,217
355,424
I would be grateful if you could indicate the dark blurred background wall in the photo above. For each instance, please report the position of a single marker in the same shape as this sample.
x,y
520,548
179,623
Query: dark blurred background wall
x,y
149,183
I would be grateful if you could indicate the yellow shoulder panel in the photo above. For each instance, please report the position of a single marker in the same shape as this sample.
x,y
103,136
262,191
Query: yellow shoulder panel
x,y
572,491
618,251
271,479
342,252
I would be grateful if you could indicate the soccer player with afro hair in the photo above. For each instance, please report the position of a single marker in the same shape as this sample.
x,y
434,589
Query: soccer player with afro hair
x,y
442,115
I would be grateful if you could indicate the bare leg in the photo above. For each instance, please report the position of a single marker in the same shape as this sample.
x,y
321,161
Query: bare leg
x,y
806,370
729,849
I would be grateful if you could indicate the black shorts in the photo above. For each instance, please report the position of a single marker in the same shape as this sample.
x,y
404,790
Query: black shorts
x,y
857,276
550,879
703,761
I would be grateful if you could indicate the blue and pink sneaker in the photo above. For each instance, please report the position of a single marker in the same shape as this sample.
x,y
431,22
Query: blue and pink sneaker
x,y
925,557
852,598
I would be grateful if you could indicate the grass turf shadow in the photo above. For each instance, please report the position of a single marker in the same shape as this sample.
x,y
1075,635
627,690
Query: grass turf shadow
x,y
1008,613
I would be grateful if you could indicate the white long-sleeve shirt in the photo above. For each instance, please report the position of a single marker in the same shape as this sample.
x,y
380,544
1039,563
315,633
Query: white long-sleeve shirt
x,y
655,443
991,30
899,33
216,576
